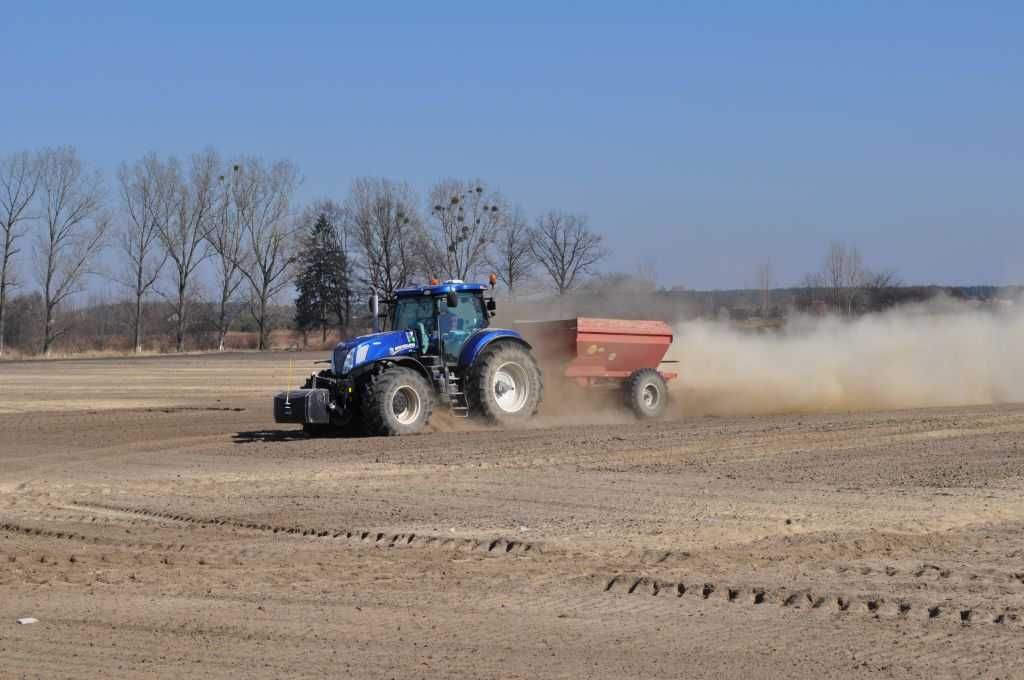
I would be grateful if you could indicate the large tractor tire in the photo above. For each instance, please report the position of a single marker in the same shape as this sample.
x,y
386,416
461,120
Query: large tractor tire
x,y
396,401
646,393
505,385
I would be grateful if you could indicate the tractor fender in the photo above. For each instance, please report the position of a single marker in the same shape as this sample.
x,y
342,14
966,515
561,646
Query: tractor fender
x,y
398,360
482,339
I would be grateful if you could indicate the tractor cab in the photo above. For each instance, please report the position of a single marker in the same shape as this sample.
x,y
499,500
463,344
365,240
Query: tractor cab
x,y
442,316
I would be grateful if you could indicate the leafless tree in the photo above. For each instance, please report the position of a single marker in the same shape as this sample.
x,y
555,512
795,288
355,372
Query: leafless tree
x,y
387,230
813,280
812,283
880,288
148,201
882,278
465,218
765,283
262,196
231,257
566,248
184,236
512,255
75,228
844,275
19,181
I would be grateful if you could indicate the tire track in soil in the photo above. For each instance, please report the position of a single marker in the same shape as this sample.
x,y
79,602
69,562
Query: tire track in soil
x,y
496,546
929,571
13,528
810,600
112,553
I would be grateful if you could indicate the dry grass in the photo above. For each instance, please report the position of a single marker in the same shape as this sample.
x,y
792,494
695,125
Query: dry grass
x,y
236,341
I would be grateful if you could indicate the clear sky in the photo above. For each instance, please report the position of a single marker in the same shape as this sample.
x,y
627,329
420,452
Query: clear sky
x,y
701,137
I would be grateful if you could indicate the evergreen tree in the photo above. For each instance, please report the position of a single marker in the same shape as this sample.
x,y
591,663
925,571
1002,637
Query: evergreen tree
x,y
322,279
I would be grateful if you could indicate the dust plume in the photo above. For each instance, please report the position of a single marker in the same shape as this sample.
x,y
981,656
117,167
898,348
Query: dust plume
x,y
938,354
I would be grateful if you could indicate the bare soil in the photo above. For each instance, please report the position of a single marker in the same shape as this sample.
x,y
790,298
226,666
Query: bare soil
x,y
157,523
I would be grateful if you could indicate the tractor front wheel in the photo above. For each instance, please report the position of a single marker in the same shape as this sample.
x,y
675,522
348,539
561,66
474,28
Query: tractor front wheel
x,y
397,401
645,392
505,385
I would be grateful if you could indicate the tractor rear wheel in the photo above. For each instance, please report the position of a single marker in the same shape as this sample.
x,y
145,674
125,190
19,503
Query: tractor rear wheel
x,y
397,401
645,392
505,385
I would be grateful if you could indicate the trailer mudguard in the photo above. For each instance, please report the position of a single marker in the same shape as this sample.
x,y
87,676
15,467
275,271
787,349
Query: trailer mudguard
x,y
481,339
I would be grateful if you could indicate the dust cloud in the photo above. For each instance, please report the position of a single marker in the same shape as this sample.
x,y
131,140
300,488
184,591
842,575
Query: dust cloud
x,y
939,354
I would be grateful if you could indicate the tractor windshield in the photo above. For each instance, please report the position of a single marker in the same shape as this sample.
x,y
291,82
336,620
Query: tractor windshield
x,y
456,323
415,312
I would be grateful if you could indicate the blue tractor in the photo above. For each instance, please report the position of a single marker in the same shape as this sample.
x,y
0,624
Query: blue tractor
x,y
438,346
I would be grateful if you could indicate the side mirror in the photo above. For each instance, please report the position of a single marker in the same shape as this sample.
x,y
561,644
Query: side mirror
x,y
452,299
491,305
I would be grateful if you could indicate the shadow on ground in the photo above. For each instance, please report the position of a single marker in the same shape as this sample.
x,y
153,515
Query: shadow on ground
x,y
269,436
289,435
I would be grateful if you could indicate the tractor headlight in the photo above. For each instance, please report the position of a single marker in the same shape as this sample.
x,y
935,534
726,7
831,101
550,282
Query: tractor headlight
x,y
350,360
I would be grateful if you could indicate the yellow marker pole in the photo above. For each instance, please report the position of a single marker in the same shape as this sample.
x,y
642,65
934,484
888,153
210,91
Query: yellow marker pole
x,y
288,385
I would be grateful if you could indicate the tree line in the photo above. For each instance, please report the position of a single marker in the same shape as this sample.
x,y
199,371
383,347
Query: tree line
x,y
226,235
846,285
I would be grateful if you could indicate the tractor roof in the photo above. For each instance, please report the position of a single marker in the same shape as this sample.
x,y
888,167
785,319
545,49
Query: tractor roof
x,y
440,289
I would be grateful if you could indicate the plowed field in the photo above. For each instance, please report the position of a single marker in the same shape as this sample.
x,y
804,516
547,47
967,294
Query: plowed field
x,y
157,522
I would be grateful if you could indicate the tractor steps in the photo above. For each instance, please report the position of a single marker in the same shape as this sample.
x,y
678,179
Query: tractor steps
x,y
457,402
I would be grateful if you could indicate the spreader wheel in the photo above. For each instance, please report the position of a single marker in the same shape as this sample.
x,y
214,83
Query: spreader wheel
x,y
646,393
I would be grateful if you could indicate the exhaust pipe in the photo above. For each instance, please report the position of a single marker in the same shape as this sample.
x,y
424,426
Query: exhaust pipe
x,y
375,311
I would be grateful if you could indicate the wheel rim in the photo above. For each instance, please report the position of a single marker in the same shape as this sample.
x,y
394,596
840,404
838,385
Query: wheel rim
x,y
511,387
406,405
651,396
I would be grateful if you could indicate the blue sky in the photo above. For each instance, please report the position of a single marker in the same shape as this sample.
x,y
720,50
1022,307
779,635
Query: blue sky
x,y
702,137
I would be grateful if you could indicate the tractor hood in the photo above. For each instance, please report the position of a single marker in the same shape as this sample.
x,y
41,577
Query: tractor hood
x,y
364,349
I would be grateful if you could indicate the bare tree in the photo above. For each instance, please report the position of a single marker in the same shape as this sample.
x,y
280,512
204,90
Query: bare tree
x,y
812,283
880,288
566,248
184,235
75,229
765,283
844,275
147,198
882,278
512,256
263,197
465,217
387,230
19,181
226,239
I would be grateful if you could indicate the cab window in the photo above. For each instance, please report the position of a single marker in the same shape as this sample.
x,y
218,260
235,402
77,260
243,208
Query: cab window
x,y
459,322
